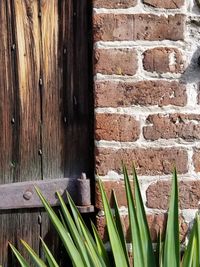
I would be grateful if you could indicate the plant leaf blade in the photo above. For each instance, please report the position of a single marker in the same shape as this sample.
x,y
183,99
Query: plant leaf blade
x,y
51,260
149,258
19,257
172,243
118,253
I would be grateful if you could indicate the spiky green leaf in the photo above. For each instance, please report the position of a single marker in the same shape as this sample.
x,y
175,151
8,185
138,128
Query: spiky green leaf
x,y
33,255
100,246
148,254
64,235
117,248
51,260
172,243
21,259
77,238
119,226
138,254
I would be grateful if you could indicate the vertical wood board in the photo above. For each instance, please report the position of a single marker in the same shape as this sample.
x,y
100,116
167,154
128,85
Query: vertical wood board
x,y
44,107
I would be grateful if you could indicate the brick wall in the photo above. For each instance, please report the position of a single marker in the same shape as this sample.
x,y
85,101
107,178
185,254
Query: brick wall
x,y
147,102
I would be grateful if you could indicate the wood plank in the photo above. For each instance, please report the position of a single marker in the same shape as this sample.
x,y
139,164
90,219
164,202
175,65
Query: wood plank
x,y
25,104
6,94
65,88
27,34
65,100
77,156
6,113
52,15
52,124
28,166
44,106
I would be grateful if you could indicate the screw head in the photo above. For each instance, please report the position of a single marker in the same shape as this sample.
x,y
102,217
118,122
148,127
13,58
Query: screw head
x,y
27,195
13,47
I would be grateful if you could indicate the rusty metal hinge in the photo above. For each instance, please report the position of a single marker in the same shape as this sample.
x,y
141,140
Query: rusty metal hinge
x,y
23,195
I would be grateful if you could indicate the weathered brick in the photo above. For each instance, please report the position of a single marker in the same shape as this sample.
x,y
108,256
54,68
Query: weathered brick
x,y
186,126
149,161
116,127
170,4
115,61
196,159
118,187
158,195
156,222
163,59
144,93
122,27
114,3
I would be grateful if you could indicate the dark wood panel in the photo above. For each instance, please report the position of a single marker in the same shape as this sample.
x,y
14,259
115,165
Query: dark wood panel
x,y
52,124
44,106
6,94
27,67
6,113
56,31
65,101
25,118
77,96
65,128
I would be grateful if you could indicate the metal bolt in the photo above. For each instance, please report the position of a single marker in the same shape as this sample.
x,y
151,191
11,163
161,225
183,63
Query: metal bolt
x,y
40,14
65,119
40,81
75,101
65,51
27,195
13,120
39,219
13,47
40,152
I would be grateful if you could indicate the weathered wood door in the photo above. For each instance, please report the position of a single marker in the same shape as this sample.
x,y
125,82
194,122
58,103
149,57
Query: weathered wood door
x,y
44,105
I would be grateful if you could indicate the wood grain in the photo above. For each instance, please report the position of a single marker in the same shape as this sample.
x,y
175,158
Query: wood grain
x,y
44,107
24,121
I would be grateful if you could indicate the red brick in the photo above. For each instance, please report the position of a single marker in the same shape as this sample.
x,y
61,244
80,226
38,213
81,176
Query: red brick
x,y
158,194
144,93
118,187
149,161
156,222
116,127
114,3
186,126
116,61
159,60
122,27
169,4
196,159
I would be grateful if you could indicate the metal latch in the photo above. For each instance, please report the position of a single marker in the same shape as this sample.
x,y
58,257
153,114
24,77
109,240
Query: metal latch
x,y
22,195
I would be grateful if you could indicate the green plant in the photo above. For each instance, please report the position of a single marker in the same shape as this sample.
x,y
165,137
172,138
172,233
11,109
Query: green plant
x,y
87,250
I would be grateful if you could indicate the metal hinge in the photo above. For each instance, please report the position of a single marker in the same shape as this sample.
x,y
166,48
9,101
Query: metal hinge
x,y
23,195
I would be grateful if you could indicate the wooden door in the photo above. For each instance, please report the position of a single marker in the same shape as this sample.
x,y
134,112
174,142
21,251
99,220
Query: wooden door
x,y
44,105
